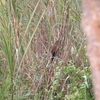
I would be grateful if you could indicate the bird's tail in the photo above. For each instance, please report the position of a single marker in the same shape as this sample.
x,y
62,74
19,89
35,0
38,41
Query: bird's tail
x,y
53,55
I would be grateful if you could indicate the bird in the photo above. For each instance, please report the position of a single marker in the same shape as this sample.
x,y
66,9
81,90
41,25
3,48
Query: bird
x,y
55,49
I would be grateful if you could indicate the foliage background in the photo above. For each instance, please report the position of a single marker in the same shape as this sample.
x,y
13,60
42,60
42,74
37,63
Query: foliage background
x,y
28,30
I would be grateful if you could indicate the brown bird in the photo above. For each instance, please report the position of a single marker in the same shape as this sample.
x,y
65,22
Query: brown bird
x,y
55,49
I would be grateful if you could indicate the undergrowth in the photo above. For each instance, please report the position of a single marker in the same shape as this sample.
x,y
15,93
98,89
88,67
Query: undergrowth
x,y
28,30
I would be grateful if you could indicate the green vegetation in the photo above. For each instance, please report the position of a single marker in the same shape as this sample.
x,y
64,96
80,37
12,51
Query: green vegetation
x,y
28,30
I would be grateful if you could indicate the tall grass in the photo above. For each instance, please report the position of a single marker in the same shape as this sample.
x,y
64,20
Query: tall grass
x,y
28,30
